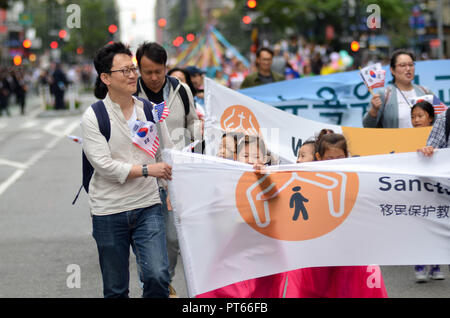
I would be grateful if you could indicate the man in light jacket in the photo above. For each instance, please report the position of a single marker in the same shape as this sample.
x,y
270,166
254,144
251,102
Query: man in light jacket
x,y
183,123
123,191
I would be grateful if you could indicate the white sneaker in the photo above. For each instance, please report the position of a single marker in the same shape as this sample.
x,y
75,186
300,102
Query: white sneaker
x,y
421,274
435,273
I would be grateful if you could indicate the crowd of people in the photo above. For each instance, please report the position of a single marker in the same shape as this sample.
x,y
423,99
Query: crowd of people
x,y
129,187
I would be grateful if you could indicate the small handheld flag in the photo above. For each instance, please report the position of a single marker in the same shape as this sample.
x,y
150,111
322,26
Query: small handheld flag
x,y
373,76
76,139
145,137
439,107
160,111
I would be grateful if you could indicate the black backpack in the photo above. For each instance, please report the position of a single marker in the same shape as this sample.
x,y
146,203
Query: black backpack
x,y
104,125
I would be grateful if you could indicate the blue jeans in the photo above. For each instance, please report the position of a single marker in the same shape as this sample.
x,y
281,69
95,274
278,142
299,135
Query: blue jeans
x,y
173,247
144,230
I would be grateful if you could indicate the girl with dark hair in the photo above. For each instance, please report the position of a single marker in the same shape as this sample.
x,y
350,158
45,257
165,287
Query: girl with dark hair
x,y
422,114
391,107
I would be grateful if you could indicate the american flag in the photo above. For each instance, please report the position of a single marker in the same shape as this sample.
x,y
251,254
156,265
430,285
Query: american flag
x,y
438,105
160,111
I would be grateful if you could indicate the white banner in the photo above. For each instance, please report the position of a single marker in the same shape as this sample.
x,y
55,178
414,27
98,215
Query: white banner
x,y
284,133
234,224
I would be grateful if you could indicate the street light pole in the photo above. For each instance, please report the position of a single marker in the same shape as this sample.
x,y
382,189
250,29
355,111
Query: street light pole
x,y
440,30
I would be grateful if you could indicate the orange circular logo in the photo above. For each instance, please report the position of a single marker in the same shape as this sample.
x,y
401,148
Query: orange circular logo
x,y
239,118
295,205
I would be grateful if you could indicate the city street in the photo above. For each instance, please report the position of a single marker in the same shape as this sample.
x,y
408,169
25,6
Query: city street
x,y
43,236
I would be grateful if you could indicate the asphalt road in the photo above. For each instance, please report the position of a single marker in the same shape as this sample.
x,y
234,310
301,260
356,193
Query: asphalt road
x,y
45,240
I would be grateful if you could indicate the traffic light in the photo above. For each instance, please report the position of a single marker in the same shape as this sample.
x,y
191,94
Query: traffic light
x,y
251,4
26,44
62,34
178,41
246,19
54,45
354,46
112,28
162,23
17,60
190,37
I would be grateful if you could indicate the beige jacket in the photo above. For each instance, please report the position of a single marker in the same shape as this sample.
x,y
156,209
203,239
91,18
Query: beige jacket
x,y
109,190
182,129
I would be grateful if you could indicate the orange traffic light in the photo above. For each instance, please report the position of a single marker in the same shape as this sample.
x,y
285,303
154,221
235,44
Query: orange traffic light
x,y
354,46
17,60
26,43
252,4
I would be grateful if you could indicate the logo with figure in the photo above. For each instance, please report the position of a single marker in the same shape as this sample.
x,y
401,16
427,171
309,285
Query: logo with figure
x,y
296,205
239,118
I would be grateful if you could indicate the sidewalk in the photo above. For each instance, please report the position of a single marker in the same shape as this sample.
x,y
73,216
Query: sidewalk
x,y
33,107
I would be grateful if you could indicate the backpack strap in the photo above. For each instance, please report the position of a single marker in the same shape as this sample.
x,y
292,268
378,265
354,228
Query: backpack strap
x,y
148,109
182,91
105,128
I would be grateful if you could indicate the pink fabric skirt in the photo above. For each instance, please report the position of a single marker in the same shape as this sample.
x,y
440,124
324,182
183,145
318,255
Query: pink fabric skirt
x,y
336,282
263,287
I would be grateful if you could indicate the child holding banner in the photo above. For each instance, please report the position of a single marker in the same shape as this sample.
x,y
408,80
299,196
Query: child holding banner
x,y
335,281
422,115
251,150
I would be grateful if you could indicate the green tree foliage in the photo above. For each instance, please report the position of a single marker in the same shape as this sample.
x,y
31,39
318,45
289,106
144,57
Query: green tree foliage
x,y
280,18
50,16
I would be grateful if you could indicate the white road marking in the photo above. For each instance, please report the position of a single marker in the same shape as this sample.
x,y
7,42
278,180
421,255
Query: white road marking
x,y
21,168
14,164
29,124
11,180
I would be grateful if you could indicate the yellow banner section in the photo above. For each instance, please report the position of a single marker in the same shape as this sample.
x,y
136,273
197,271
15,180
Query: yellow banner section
x,y
373,141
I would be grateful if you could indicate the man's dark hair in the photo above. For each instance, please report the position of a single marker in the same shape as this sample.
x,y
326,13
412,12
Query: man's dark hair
x,y
153,51
103,61
268,50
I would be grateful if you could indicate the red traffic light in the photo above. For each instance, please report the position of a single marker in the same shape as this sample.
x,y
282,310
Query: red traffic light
x,y
252,4
54,45
247,19
190,37
178,41
112,28
354,46
162,22
62,34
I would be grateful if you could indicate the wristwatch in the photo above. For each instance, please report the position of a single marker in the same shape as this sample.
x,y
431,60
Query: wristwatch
x,y
145,171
